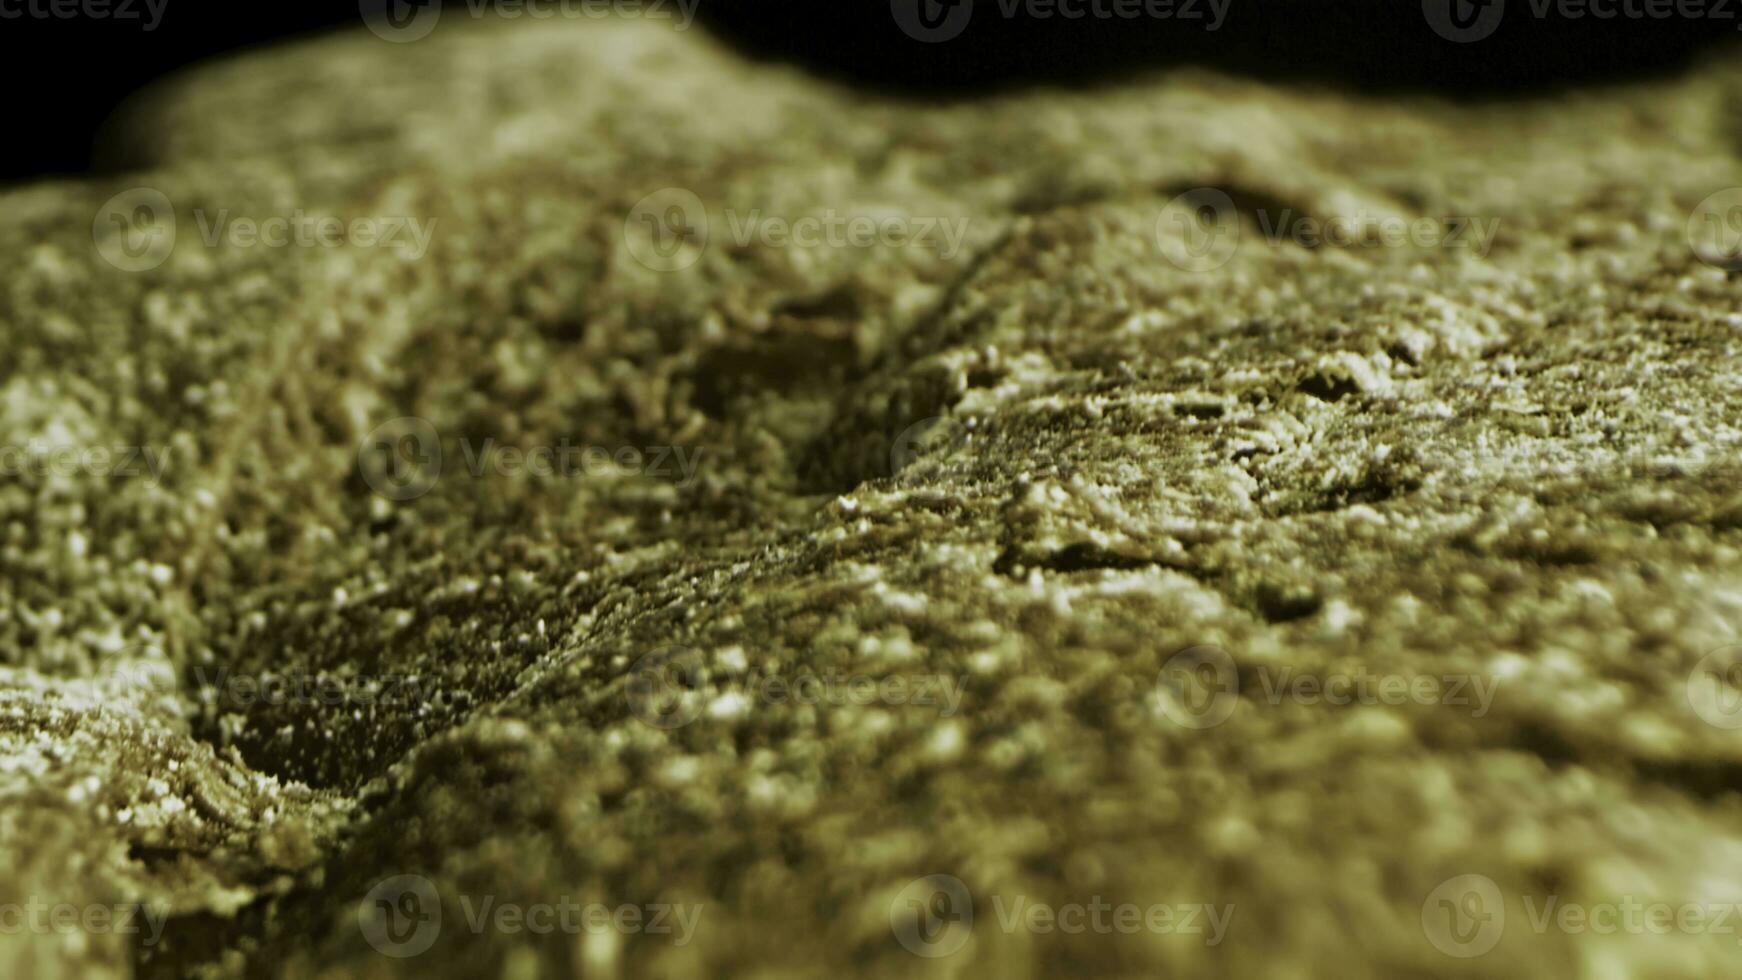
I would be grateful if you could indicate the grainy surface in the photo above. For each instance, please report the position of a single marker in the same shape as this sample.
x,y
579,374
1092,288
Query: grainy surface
x,y
1517,466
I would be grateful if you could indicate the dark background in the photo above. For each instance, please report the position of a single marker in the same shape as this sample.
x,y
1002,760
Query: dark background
x,y
63,77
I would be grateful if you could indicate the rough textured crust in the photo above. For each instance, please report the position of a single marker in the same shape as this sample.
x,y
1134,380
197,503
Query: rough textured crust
x,y
1519,466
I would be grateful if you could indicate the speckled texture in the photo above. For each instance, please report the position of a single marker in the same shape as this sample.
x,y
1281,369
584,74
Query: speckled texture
x,y
1516,465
